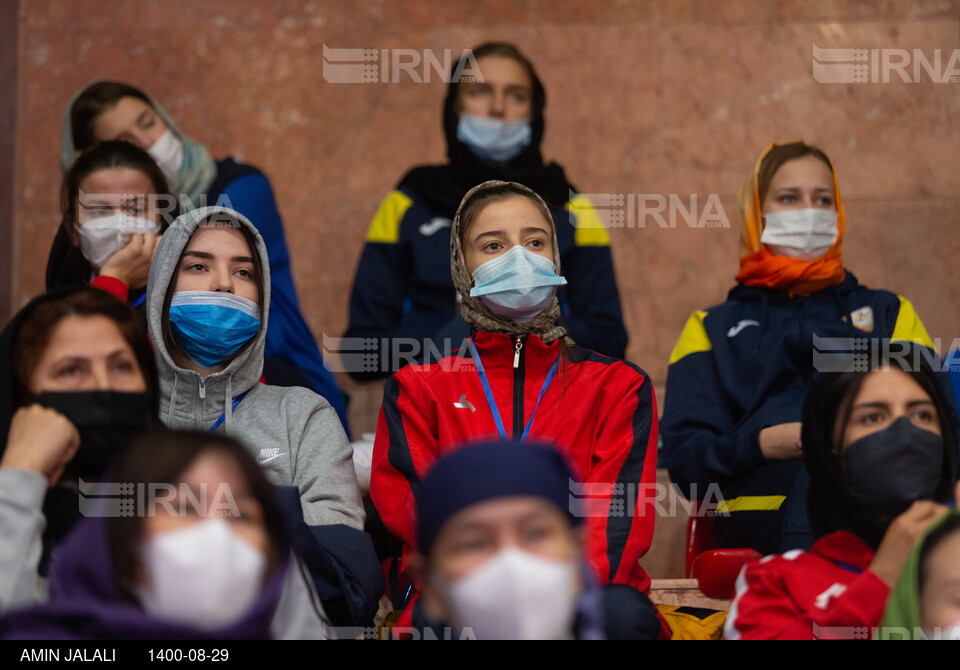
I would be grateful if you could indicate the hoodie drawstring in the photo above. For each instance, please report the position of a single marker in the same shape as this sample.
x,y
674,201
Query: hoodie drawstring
x,y
228,404
173,400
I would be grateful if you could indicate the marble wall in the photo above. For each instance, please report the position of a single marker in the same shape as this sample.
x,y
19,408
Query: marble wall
x,y
8,133
644,97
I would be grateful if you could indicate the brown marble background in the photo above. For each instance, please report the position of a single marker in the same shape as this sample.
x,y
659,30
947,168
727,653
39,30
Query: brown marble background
x,y
650,97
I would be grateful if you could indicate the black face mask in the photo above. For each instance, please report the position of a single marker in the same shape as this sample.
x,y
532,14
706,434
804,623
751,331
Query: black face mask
x,y
890,469
106,420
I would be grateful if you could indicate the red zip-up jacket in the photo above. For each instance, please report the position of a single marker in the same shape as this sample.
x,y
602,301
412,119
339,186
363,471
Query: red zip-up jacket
x,y
601,412
825,593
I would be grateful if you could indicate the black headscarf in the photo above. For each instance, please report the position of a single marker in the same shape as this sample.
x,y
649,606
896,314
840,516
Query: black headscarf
x,y
443,186
830,503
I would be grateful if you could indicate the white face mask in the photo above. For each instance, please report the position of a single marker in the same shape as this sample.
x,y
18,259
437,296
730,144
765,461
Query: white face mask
x,y
516,596
167,151
204,575
804,234
103,237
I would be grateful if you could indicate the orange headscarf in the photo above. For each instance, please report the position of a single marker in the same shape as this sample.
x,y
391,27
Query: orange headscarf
x,y
760,267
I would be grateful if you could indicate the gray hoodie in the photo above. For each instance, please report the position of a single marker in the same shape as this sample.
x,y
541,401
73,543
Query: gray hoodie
x,y
293,432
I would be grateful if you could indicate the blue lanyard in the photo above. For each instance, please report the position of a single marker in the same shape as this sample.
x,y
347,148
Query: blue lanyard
x,y
223,416
849,567
493,403
139,301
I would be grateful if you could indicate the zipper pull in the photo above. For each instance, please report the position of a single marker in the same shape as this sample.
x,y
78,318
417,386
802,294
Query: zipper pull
x,y
203,388
516,353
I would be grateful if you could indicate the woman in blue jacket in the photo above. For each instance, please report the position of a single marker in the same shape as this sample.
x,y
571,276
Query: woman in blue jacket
x,y
740,370
493,123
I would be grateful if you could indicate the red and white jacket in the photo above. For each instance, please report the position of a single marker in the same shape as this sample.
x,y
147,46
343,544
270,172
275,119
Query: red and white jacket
x,y
824,593
600,410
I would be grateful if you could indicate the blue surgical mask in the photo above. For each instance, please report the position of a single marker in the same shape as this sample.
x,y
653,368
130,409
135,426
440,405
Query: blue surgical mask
x,y
517,285
212,326
493,140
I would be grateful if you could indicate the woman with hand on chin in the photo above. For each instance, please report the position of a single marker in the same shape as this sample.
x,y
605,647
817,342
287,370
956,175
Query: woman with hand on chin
x,y
79,384
881,451
116,204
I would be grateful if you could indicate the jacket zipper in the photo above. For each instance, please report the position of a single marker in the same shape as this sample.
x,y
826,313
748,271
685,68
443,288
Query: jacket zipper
x,y
519,354
199,408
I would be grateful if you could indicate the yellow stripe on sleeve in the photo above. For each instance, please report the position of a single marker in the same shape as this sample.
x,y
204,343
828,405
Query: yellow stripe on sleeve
x,y
590,231
909,327
694,338
750,504
386,222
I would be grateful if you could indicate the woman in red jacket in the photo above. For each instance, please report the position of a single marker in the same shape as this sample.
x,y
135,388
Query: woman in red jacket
x,y
520,374
880,448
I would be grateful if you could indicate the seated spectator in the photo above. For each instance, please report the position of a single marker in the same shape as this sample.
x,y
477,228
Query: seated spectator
x,y
79,383
740,370
522,376
112,110
881,451
493,124
207,556
501,556
208,304
925,603
116,204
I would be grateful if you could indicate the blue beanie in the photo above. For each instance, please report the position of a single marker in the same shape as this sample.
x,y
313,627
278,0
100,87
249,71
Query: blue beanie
x,y
489,470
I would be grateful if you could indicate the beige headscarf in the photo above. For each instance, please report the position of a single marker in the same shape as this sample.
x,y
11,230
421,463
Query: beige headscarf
x,y
474,312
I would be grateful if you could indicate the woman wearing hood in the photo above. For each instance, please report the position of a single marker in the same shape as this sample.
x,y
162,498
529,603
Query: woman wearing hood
x,y
112,110
493,123
880,447
521,375
740,370
208,301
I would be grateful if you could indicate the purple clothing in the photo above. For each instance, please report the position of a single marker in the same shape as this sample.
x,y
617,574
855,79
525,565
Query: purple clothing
x,y
85,603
